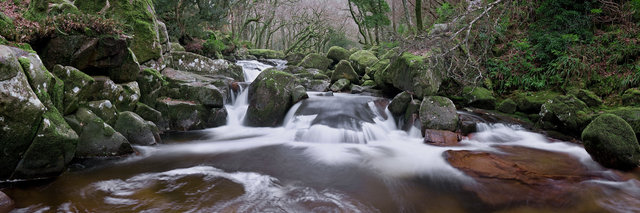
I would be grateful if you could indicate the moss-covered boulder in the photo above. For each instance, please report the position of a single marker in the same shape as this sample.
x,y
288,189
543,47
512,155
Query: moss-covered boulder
x,y
369,83
398,105
150,82
139,19
379,66
137,130
103,109
410,73
631,97
411,117
76,86
631,115
340,85
566,113
47,87
266,53
53,147
317,85
363,59
106,56
611,142
479,97
507,106
176,47
316,61
438,113
191,62
294,58
589,98
270,97
181,115
193,87
531,102
338,54
97,138
128,97
149,114
344,70
20,112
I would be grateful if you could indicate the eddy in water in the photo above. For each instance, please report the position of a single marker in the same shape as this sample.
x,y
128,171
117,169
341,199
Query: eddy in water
x,y
340,153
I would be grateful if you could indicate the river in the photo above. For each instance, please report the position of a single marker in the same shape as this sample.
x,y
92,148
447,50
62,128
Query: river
x,y
337,153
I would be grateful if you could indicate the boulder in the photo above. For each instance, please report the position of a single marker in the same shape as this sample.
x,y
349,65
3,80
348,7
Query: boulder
x,y
338,54
566,113
379,66
344,70
531,102
150,82
479,97
317,85
197,88
266,53
217,117
128,97
441,138
362,59
53,147
47,87
369,83
176,47
103,109
95,56
191,62
163,33
398,105
315,61
6,204
137,130
589,98
340,85
76,87
270,97
182,115
20,112
507,106
97,138
438,113
612,142
149,114
139,19
299,93
411,116
629,114
294,58
410,73
631,97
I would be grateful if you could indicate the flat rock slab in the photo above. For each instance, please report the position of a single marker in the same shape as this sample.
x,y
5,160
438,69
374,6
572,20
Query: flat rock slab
x,y
524,176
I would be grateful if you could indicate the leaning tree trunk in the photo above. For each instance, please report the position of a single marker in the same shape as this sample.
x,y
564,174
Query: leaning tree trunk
x,y
419,25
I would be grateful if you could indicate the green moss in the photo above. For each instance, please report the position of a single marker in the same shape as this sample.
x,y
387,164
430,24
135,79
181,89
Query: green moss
x,y
337,54
507,106
631,97
344,70
479,97
612,142
363,59
315,61
266,53
530,102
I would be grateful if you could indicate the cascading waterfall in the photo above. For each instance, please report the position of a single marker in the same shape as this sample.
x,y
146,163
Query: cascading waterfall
x,y
334,153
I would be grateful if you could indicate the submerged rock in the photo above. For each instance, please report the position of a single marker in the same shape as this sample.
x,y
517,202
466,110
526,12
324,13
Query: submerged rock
x,y
6,204
438,113
612,142
270,97
441,137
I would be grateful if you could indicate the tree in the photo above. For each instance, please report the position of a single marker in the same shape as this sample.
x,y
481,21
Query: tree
x,y
418,9
370,15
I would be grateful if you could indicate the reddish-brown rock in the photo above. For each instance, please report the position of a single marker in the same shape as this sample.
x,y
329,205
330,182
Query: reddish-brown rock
x,y
523,176
6,204
441,137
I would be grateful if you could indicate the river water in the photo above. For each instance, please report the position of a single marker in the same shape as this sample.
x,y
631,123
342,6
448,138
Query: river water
x,y
336,153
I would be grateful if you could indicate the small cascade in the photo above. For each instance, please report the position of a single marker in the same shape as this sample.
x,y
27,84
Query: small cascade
x,y
237,109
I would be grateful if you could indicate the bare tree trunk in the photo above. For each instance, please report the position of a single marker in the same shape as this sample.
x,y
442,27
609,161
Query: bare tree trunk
x,y
406,14
418,9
